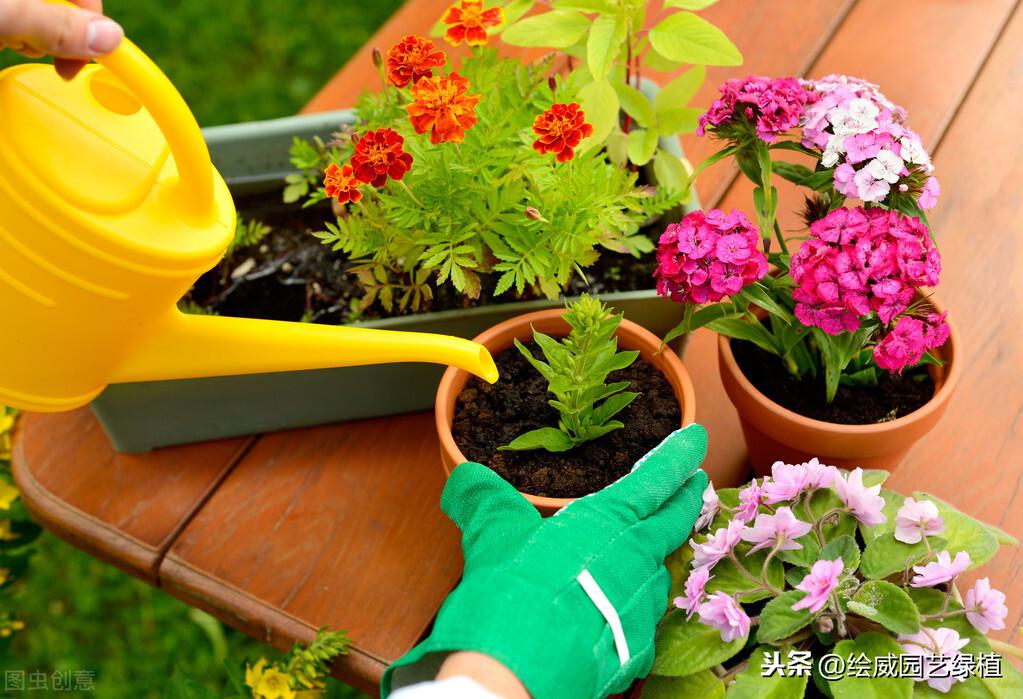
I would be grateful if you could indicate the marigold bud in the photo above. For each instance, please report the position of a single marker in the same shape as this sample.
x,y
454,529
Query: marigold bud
x,y
378,57
533,213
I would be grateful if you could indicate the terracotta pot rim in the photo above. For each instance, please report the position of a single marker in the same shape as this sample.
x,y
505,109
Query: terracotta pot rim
x,y
631,336
953,368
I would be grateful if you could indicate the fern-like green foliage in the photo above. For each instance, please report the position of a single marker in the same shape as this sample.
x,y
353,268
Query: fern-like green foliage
x,y
491,205
576,370
248,232
309,666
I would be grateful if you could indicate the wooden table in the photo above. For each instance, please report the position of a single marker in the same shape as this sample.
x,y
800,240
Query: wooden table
x,y
338,526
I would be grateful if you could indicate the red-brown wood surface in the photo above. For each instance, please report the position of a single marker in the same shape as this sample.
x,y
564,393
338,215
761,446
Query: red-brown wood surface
x,y
124,508
339,525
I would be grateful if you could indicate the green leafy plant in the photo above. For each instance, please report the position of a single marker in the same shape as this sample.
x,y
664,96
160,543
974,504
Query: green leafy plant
x,y
17,532
248,232
613,47
576,370
813,563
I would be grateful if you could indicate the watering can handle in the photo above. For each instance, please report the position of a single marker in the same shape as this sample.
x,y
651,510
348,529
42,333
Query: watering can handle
x,y
168,108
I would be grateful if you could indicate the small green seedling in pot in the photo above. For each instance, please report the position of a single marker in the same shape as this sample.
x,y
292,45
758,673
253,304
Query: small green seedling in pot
x,y
576,370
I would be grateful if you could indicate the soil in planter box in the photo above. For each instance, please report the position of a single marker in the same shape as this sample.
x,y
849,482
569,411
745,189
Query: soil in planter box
x,y
894,397
490,416
291,275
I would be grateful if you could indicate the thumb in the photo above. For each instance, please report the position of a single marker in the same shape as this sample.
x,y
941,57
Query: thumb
x,y
59,30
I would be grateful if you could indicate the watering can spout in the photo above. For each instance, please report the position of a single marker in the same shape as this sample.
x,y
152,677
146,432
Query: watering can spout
x,y
194,346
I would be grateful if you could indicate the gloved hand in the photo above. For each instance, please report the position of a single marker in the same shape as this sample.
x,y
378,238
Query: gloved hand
x,y
570,603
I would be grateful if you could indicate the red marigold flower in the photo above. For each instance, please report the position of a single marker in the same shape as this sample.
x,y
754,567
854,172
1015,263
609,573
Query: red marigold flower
x,y
560,129
341,184
468,22
412,58
443,108
380,154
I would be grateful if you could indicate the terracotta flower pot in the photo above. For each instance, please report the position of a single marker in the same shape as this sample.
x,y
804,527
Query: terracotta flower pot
x,y
501,336
775,433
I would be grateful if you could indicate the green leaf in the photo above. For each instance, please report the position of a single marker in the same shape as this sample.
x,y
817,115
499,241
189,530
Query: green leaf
x,y
687,38
681,90
547,438
670,172
600,103
704,684
964,533
741,329
642,144
892,502
972,688
181,686
636,105
779,620
888,605
689,4
514,11
885,555
728,578
791,171
871,645
843,547
757,294
607,35
752,684
557,29
1008,686
804,556
677,121
685,646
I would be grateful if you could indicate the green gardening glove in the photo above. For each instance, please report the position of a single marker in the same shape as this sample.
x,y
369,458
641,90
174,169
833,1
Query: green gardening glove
x,y
570,603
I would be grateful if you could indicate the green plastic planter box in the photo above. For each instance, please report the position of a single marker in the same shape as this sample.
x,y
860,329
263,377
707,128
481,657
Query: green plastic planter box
x,y
143,416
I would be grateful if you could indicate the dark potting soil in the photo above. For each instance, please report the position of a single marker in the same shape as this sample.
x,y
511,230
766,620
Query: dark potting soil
x,y
893,397
291,275
490,416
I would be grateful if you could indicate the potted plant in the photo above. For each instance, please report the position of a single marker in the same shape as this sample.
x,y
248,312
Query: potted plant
x,y
571,412
505,227
820,582
830,343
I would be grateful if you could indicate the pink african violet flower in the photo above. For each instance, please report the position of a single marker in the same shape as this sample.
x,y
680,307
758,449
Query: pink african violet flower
x,y
707,256
749,502
909,340
723,613
915,520
819,475
937,649
865,504
695,584
863,136
942,570
770,107
861,261
711,502
778,530
788,481
818,584
718,545
985,607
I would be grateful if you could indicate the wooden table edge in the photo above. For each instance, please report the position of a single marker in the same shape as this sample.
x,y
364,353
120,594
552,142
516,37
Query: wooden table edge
x,y
78,528
241,610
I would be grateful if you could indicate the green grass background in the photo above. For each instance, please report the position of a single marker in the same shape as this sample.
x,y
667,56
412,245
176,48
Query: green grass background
x,y
233,61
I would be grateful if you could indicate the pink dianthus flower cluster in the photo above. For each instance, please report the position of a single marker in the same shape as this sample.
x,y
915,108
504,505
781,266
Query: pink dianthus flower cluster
x,y
771,107
707,256
863,133
909,340
861,261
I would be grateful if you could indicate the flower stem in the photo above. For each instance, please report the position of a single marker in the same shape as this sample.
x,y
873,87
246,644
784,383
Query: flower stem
x,y
1006,648
761,582
781,238
408,191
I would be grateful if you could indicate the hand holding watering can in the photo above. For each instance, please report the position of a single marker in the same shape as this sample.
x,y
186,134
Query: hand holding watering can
x,y
109,210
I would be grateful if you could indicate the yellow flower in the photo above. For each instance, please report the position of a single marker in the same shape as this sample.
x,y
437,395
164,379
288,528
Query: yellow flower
x,y
274,684
254,674
5,531
8,494
6,425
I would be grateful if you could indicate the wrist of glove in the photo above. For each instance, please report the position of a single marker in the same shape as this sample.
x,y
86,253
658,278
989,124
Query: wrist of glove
x,y
569,603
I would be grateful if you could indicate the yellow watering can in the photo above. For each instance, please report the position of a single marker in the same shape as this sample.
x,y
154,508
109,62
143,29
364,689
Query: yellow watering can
x,y
109,210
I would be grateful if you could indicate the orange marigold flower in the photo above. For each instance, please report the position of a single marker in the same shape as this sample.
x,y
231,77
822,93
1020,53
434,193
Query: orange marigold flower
x,y
443,108
560,129
380,154
469,21
341,184
412,58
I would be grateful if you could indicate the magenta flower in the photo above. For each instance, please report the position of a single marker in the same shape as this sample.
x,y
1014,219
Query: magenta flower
x,y
711,502
909,340
818,584
767,107
718,545
938,649
695,590
778,530
707,256
944,569
749,502
915,520
723,613
985,607
929,195
865,504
